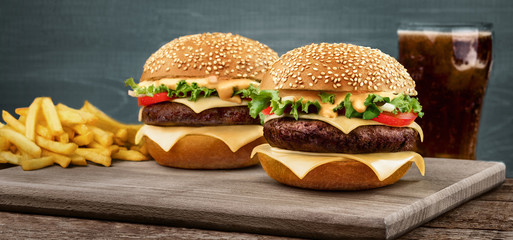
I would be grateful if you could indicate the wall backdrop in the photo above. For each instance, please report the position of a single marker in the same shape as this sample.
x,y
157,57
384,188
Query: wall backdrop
x,y
78,50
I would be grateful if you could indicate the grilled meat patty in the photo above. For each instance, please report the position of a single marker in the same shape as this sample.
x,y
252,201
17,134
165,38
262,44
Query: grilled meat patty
x,y
177,114
317,136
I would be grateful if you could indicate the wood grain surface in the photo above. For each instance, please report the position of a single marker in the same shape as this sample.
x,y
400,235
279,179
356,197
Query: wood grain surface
x,y
78,50
245,200
476,226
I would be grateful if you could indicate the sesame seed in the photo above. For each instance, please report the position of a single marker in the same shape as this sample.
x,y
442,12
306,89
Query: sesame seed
x,y
342,65
212,51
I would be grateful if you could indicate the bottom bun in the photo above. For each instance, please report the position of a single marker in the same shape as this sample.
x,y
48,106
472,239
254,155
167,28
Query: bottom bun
x,y
343,175
203,152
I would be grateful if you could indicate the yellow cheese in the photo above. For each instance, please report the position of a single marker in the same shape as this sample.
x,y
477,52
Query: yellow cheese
x,y
301,163
346,125
234,136
202,103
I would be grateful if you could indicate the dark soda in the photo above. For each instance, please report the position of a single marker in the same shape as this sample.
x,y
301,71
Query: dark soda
x,y
451,71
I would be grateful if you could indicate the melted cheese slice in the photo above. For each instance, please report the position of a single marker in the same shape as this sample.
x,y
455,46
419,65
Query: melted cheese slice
x,y
301,163
203,103
346,125
234,136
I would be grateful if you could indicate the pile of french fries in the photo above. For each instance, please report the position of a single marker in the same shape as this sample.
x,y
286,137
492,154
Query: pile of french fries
x,y
45,134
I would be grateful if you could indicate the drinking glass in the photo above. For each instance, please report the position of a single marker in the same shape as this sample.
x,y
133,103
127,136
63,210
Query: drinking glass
x,y
451,65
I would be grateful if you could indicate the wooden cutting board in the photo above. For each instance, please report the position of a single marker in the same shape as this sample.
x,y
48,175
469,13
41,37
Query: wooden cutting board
x,y
245,200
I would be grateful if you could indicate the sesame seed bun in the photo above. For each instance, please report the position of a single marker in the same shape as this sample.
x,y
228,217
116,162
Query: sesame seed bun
x,y
333,68
225,55
338,67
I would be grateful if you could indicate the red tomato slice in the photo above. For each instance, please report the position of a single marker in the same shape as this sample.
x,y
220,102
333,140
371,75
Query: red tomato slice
x,y
159,97
396,120
267,111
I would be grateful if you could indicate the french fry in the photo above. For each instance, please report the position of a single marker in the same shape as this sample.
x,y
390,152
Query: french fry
x,y
46,133
103,137
21,142
32,115
83,140
107,123
70,132
43,131
21,111
94,144
130,155
51,116
113,149
78,160
140,148
87,116
22,119
94,156
13,122
13,148
103,151
58,147
10,157
81,129
122,134
36,163
70,118
60,159
63,138
4,144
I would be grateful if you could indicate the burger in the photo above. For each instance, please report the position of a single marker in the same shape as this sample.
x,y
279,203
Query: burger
x,y
194,93
337,117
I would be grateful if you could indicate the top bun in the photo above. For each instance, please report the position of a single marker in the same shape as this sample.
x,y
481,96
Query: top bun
x,y
224,55
338,67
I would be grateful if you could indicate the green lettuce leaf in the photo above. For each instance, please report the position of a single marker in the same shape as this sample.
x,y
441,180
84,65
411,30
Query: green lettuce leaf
x,y
405,103
265,98
402,102
148,91
262,99
296,107
183,90
326,97
247,92
350,111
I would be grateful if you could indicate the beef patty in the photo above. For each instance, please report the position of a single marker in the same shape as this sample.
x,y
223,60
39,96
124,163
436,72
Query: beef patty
x,y
177,114
317,136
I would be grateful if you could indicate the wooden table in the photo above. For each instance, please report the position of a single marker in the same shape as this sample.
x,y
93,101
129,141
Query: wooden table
x,y
489,216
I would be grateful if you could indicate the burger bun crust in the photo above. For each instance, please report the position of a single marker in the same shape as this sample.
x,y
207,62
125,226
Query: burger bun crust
x,y
338,67
342,175
203,152
224,55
